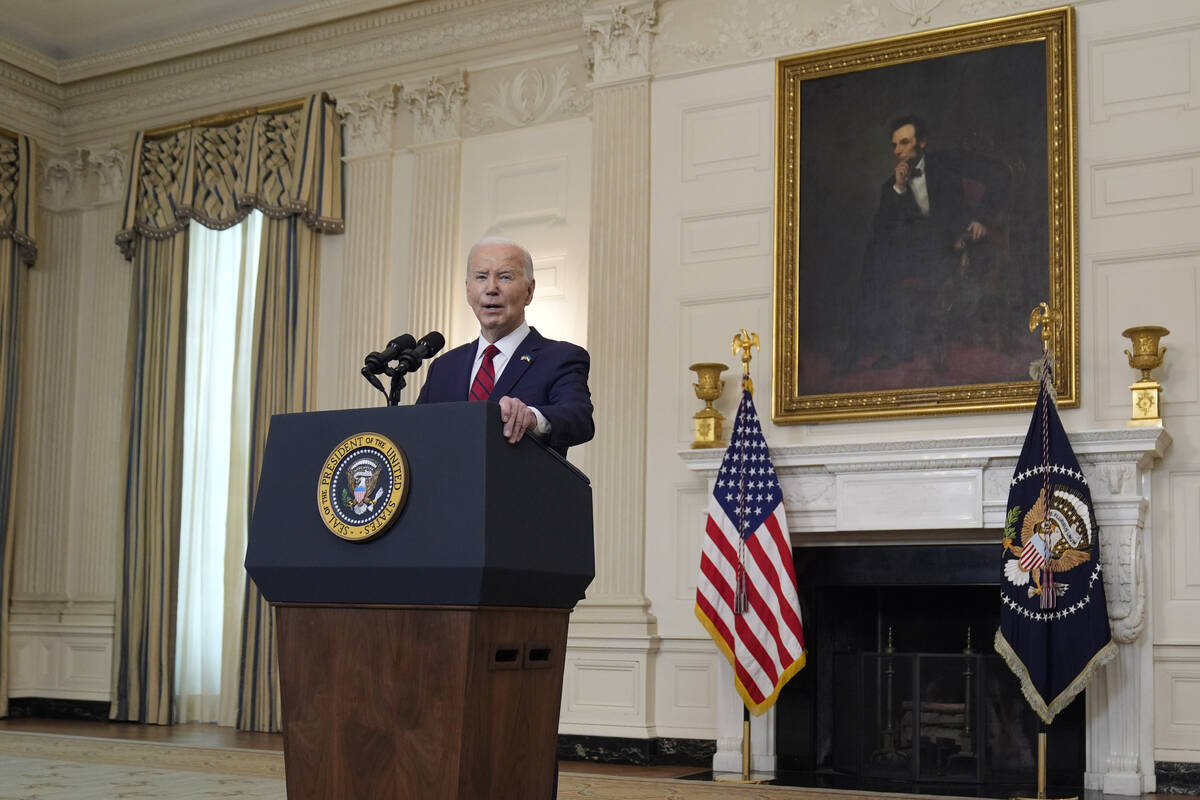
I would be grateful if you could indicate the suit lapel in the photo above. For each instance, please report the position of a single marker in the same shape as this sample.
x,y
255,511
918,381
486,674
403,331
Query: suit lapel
x,y
521,361
463,374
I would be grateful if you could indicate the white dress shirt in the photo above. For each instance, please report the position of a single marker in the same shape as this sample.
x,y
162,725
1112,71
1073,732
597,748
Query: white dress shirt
x,y
507,345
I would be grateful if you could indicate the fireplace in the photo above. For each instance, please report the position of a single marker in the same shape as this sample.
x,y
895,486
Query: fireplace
x,y
903,690
943,494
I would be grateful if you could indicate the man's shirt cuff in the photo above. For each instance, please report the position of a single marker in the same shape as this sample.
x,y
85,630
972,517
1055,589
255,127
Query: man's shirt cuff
x,y
543,425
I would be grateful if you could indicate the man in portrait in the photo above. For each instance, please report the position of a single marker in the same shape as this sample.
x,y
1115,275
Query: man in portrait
x,y
932,238
540,384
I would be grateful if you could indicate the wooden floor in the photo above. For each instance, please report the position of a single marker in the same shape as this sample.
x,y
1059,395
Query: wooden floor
x,y
195,735
218,738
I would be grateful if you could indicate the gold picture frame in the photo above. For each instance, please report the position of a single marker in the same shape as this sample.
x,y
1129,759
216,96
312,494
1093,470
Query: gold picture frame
x,y
888,307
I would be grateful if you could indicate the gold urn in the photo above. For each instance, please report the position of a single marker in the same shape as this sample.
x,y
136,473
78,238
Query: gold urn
x,y
709,421
1145,356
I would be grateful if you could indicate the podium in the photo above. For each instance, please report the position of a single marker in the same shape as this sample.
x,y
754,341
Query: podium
x,y
426,662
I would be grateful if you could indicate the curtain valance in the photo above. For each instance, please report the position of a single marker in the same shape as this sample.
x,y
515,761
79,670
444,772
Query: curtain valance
x,y
283,161
18,195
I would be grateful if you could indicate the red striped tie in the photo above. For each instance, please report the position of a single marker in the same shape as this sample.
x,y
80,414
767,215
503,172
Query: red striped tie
x,y
485,378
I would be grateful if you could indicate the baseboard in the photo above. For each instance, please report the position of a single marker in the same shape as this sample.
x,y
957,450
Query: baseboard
x,y
58,708
1174,777
638,752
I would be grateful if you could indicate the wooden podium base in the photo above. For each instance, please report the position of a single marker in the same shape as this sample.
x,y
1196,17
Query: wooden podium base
x,y
430,702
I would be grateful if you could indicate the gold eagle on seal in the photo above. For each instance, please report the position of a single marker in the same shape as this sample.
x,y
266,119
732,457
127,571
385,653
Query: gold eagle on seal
x,y
1060,536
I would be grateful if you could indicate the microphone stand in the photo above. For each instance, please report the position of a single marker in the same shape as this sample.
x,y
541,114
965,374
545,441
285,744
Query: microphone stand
x,y
396,374
397,384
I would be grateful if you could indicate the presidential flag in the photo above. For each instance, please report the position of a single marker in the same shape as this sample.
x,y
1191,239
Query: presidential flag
x,y
746,594
1053,617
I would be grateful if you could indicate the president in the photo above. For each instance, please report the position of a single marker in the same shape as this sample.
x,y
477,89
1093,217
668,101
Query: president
x,y
540,384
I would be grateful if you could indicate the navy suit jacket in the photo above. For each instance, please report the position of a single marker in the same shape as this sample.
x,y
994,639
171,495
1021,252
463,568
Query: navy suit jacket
x,y
544,373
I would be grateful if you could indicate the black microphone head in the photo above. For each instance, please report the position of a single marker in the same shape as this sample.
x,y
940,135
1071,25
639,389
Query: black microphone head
x,y
433,342
404,341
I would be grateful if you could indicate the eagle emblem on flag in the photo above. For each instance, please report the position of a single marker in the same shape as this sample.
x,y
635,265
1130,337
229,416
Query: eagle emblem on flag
x,y
1060,537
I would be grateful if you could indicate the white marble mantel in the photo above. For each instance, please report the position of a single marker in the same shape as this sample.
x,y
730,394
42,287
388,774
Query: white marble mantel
x,y
906,491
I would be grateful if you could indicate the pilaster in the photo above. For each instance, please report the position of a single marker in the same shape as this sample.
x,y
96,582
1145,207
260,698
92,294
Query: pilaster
x,y
368,123
436,105
613,636
75,326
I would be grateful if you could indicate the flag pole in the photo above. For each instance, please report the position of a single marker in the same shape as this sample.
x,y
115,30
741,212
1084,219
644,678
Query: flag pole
x,y
743,341
745,744
1046,318
746,534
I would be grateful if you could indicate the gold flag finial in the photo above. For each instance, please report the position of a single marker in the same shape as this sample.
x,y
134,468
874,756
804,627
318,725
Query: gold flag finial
x,y
743,341
1042,315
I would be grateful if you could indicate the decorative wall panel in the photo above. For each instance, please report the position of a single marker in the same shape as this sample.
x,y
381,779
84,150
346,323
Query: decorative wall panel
x,y
1145,72
530,193
706,328
1165,183
725,235
726,136
1151,287
691,512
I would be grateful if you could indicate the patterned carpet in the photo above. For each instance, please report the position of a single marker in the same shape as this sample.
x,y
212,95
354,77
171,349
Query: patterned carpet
x,y
38,766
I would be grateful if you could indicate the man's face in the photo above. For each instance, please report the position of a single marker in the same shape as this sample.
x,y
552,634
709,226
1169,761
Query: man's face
x,y
905,145
497,289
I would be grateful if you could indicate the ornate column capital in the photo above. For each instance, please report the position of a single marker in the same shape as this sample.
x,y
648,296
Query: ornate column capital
x,y
437,106
620,37
368,116
82,177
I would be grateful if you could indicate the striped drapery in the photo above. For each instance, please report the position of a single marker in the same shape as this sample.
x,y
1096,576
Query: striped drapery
x,y
285,317
18,209
286,162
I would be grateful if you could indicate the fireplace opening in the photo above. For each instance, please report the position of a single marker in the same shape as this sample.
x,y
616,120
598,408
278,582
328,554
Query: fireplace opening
x,y
903,690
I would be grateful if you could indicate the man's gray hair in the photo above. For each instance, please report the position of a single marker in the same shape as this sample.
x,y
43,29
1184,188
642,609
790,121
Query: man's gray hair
x,y
526,259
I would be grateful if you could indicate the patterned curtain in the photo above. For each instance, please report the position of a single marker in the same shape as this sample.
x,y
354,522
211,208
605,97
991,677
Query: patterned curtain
x,y
18,204
286,162
285,343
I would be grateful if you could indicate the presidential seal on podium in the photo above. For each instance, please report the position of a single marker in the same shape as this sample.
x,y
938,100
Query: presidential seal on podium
x,y
362,487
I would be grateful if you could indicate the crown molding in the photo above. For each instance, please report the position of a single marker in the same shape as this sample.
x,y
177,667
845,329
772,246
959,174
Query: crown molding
x,y
31,61
68,70
369,48
30,104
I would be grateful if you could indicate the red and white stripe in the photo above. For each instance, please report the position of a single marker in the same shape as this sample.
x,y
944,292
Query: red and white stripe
x,y
1032,556
765,646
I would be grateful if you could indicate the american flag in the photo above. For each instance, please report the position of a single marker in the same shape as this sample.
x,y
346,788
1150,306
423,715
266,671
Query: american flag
x,y
746,594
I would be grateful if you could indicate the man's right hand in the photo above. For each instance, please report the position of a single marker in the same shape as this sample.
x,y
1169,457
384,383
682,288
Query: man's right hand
x,y
901,175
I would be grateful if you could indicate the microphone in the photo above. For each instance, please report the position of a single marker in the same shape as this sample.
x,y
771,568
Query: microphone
x,y
377,362
429,344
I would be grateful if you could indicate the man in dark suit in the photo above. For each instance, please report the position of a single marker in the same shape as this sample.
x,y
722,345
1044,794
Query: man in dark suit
x,y
540,384
934,210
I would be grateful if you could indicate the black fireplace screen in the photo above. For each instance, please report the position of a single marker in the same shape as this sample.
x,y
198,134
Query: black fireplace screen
x,y
926,717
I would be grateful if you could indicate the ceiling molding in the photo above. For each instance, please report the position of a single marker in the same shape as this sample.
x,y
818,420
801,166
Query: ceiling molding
x,y
272,31
347,52
29,60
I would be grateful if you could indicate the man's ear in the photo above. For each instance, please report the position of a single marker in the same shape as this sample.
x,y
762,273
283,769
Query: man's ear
x,y
529,299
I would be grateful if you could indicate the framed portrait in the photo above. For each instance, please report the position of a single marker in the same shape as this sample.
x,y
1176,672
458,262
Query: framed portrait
x,y
925,206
